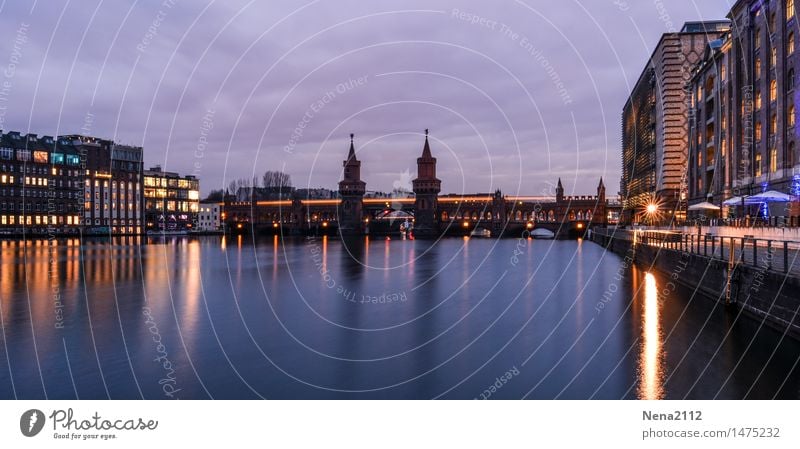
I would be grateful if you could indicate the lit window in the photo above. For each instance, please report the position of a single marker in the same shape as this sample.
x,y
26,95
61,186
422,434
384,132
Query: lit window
x,y
773,57
773,125
789,9
758,68
773,160
773,90
758,131
791,118
758,99
790,44
758,165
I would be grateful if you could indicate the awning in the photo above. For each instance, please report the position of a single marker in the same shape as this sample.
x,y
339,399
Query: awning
x,y
705,205
770,196
735,201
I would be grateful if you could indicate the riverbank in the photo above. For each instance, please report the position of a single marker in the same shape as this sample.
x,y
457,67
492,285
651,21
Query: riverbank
x,y
761,288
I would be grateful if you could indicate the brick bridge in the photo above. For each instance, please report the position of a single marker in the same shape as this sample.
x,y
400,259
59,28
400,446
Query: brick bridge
x,y
432,214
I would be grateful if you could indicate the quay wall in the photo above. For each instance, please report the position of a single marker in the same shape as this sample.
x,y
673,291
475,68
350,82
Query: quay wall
x,y
763,294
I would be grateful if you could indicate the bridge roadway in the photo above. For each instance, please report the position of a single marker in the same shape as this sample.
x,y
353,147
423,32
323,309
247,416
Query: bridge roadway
x,y
566,216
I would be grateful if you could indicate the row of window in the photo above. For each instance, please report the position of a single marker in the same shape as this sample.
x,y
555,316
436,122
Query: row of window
x,y
39,220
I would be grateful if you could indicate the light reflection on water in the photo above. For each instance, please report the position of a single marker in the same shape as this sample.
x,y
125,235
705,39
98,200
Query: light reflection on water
x,y
652,373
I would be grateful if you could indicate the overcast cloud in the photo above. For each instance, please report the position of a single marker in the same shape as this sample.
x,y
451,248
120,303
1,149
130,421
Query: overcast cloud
x,y
531,92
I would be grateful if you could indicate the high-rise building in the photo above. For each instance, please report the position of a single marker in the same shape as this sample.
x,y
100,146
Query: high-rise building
x,y
171,201
655,124
744,135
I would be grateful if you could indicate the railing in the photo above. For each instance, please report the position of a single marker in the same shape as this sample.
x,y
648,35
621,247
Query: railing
x,y
759,222
777,255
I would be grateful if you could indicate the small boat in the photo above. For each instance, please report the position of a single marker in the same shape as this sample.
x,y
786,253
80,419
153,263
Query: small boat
x,y
541,233
480,232
167,233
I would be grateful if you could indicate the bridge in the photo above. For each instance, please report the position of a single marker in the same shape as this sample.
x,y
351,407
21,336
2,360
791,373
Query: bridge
x,y
432,214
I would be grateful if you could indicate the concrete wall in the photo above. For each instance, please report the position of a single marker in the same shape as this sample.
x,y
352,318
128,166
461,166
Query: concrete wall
x,y
761,293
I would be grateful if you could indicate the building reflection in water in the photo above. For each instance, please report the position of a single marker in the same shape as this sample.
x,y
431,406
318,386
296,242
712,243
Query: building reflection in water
x,y
651,366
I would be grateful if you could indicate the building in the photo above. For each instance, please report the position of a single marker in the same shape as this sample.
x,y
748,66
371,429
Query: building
x,y
40,186
743,138
112,183
171,201
655,124
208,217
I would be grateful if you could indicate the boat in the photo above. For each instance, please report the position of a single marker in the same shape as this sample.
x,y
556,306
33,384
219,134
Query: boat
x,y
542,233
480,232
167,233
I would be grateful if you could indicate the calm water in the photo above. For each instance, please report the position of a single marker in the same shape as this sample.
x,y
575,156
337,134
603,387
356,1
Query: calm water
x,y
233,318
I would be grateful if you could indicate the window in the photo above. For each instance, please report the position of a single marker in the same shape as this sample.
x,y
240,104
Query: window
x,y
758,131
23,155
791,118
6,154
758,68
790,43
73,159
758,165
792,157
773,125
773,90
757,42
772,23
758,99
773,58
40,157
773,160
789,9
790,80
723,72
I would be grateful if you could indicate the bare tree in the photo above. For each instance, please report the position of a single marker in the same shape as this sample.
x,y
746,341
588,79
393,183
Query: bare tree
x,y
276,179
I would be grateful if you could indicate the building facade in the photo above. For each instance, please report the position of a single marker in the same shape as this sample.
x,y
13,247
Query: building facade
x,y
111,184
744,138
171,201
655,125
40,186
208,218
68,185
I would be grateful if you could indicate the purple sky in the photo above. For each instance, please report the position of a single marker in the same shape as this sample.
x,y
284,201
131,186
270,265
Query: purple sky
x,y
531,92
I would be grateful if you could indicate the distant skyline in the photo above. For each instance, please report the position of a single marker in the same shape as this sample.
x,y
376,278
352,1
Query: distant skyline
x,y
516,94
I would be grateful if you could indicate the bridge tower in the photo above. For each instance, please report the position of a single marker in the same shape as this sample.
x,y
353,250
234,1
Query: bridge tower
x,y
499,211
351,190
426,188
599,216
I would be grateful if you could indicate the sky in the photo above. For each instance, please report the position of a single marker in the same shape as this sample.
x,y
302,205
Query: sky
x,y
516,94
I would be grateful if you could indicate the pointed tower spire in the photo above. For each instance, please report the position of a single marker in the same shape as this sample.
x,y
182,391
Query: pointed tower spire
x,y
351,155
601,182
426,150
559,184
